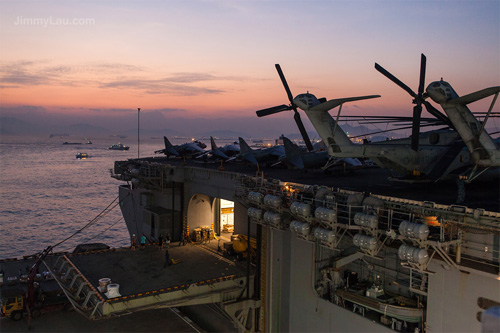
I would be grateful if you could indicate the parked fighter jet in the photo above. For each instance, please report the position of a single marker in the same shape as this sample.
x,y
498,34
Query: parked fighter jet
x,y
304,159
259,156
186,149
229,150
430,157
313,159
225,153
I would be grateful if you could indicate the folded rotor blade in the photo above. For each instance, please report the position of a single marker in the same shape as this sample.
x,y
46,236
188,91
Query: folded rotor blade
x,y
423,62
438,114
302,130
415,129
394,79
271,110
285,84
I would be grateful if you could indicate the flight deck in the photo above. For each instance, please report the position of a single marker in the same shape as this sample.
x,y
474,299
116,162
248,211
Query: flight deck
x,y
139,279
483,192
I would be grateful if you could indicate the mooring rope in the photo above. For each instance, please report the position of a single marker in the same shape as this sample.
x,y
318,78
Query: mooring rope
x,y
102,213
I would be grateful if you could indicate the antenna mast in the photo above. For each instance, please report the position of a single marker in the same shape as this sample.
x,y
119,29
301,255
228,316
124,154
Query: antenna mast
x,y
138,126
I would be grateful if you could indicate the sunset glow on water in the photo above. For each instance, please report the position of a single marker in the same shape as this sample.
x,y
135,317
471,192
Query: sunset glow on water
x,y
47,194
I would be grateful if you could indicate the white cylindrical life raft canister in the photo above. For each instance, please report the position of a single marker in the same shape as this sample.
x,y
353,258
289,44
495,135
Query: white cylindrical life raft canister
x,y
414,230
413,254
272,201
324,235
366,220
300,228
365,242
255,197
325,214
113,290
273,218
103,284
300,209
255,213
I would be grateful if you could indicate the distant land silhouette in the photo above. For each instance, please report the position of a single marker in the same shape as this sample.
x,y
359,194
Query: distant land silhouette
x,y
14,126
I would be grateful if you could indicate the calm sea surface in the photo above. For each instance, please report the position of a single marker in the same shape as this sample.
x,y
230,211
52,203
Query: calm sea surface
x,y
46,194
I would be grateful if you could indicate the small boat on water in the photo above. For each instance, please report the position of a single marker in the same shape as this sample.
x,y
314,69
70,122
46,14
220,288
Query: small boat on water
x,y
71,143
82,155
119,146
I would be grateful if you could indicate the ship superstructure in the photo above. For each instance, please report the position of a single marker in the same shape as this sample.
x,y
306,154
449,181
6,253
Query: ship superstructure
x,y
329,259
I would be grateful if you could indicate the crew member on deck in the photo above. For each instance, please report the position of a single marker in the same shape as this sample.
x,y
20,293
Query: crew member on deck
x,y
160,241
167,259
133,242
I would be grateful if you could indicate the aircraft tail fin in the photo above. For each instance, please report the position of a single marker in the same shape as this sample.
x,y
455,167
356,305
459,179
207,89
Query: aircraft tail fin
x,y
212,142
332,134
246,152
169,148
475,96
483,149
244,147
216,151
293,153
328,105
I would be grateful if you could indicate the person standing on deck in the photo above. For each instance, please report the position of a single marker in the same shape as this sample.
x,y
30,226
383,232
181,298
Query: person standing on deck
x,y
133,242
143,241
183,241
160,241
168,262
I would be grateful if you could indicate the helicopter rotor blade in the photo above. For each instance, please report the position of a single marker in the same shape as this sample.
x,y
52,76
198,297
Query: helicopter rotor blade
x,y
419,97
285,84
302,130
423,64
438,114
417,109
272,110
394,79
415,128
293,107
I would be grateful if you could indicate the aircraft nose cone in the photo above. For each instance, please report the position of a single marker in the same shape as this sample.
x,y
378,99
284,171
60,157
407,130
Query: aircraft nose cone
x,y
437,92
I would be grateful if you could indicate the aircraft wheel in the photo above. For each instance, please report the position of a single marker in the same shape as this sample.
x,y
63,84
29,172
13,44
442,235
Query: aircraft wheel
x,y
16,315
230,251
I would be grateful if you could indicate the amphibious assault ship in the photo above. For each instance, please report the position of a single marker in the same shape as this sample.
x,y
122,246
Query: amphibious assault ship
x,y
342,252
332,253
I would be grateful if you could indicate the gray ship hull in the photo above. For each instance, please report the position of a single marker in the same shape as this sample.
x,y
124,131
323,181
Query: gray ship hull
x,y
298,273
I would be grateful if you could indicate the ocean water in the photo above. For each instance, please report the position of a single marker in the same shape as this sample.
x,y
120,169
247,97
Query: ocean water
x,y
46,194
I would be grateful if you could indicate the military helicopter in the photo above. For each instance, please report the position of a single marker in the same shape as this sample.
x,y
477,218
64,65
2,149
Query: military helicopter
x,y
424,157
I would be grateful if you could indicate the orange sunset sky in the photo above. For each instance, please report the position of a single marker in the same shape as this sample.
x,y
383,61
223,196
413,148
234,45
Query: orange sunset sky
x,y
215,58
